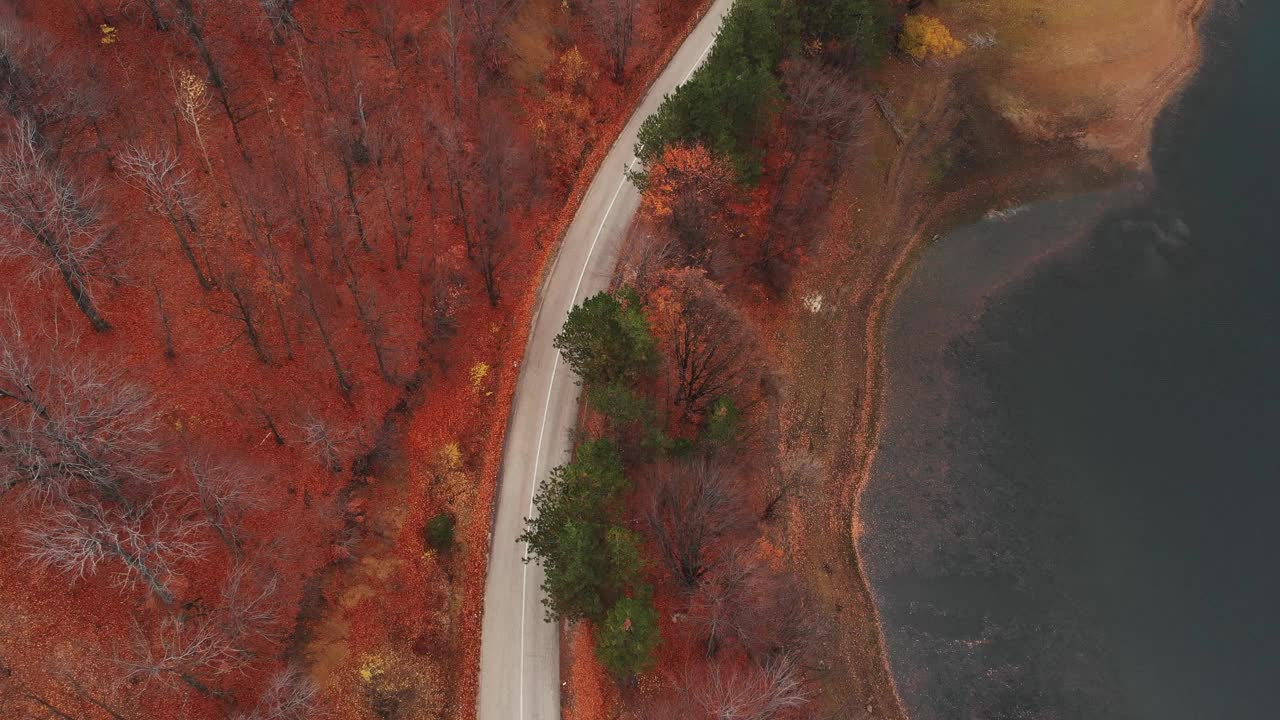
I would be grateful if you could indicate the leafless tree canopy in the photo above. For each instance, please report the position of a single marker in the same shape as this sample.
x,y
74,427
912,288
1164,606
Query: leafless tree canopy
x,y
759,692
193,651
614,21
166,184
225,490
291,695
743,601
70,427
711,351
488,21
251,612
694,507
145,543
54,96
54,222
279,17
824,102
499,160
329,445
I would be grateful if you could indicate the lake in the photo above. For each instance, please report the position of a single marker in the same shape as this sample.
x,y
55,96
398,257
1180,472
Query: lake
x,y
1072,511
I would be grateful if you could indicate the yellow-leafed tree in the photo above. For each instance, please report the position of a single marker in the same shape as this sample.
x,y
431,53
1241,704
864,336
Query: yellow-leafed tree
x,y
923,37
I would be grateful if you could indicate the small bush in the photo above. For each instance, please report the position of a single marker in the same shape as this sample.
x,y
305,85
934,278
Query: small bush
x,y
438,532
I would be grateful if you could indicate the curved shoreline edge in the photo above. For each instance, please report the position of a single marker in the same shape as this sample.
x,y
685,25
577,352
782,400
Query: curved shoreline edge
x,y
930,227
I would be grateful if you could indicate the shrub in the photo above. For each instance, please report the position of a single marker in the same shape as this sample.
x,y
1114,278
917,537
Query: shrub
x,y
438,532
627,638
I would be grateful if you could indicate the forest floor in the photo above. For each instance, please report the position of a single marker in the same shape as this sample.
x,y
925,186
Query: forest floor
x,y
1049,98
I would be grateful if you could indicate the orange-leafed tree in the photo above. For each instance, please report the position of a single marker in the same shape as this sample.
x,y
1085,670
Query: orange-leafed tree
x,y
924,37
561,128
688,189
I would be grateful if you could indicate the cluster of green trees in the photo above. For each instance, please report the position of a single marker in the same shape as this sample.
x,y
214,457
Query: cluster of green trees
x,y
732,97
593,564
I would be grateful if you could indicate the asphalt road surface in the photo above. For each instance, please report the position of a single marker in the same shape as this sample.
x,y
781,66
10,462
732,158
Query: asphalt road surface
x,y
519,650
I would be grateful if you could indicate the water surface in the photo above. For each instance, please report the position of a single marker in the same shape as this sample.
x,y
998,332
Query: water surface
x,y
1073,511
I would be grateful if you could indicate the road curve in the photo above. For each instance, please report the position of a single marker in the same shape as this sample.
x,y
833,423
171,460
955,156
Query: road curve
x,y
519,650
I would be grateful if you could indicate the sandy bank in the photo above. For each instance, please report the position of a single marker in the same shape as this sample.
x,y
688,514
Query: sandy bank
x,y
1093,71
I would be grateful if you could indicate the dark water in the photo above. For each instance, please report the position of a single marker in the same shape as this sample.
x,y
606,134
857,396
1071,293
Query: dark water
x,y
1076,508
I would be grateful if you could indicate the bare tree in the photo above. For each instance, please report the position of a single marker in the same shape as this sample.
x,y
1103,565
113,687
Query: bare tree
x,y
643,258
498,157
328,444
56,97
251,609
309,293
760,692
296,201
225,490
166,326
56,222
191,100
50,697
452,29
167,187
70,426
242,305
824,114
145,541
744,601
615,23
458,168
188,650
721,594
823,102
386,25
693,509
711,350
279,17
392,152
489,20
190,15
441,295
373,322
350,145
290,695
797,470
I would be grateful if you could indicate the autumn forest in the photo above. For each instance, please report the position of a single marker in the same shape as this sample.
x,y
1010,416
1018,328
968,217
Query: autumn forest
x,y
268,269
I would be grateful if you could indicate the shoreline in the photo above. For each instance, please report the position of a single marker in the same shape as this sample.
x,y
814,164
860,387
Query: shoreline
x,y
944,215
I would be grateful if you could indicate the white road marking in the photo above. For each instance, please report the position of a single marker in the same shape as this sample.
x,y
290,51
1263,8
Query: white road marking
x,y
537,457
555,365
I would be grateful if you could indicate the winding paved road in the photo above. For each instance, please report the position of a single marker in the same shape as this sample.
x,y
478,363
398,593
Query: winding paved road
x,y
519,650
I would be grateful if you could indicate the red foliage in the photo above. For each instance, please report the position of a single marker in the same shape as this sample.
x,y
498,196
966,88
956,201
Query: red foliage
x,y
345,312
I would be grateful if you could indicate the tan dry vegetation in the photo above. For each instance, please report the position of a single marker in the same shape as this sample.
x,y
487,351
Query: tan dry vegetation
x,y
1093,70
1064,100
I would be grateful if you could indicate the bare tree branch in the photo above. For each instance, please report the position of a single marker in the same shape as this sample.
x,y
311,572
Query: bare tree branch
x,y
291,695
146,542
57,222
158,174
68,425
